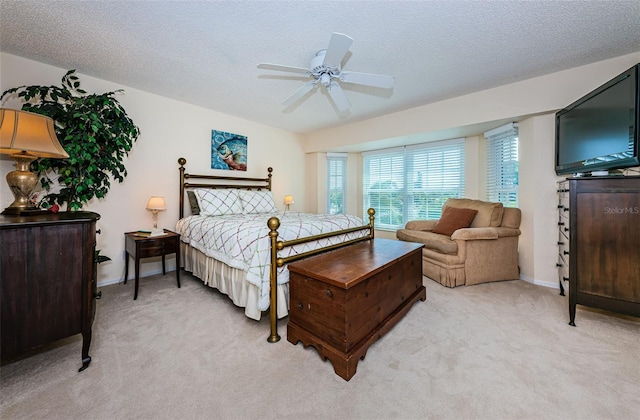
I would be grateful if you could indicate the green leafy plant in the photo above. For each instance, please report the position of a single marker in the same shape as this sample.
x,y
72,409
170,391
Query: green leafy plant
x,y
99,258
95,131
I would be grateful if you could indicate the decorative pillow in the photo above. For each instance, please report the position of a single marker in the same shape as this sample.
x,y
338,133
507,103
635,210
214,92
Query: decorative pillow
x,y
454,218
257,201
218,202
489,213
193,203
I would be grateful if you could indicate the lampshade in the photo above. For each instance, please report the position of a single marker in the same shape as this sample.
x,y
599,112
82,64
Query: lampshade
x,y
22,131
26,136
288,199
156,203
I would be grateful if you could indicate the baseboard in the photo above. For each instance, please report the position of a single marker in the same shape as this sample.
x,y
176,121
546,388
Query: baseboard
x,y
109,282
553,285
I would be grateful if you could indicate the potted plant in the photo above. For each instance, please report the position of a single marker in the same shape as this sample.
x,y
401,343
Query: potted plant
x,y
95,131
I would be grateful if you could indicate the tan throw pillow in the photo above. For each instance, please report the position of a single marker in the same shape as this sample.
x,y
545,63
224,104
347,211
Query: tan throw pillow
x,y
453,219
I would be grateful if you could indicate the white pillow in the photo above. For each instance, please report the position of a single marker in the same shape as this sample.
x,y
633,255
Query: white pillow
x,y
257,201
218,202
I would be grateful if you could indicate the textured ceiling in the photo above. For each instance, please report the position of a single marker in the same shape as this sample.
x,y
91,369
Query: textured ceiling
x,y
206,52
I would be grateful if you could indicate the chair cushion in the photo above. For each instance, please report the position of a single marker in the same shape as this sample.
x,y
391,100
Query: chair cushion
x,y
489,213
434,241
454,218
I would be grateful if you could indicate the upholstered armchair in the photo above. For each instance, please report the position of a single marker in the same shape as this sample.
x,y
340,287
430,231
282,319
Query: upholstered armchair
x,y
473,242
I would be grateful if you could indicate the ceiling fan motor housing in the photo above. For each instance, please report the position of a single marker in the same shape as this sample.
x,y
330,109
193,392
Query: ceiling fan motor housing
x,y
320,71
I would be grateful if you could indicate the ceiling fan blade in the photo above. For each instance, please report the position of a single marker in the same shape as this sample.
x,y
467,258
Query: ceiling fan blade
x,y
338,47
338,96
280,67
367,79
306,88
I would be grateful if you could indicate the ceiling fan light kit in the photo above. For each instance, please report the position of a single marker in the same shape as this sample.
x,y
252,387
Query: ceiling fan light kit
x,y
326,70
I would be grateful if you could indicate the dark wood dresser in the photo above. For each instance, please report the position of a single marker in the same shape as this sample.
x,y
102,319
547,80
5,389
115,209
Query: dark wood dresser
x,y
342,301
603,251
47,280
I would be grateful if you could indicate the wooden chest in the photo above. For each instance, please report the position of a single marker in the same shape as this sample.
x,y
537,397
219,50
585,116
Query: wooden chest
x,y
342,301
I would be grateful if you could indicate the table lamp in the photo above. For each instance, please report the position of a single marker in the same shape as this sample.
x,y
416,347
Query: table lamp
x,y
26,136
288,201
154,205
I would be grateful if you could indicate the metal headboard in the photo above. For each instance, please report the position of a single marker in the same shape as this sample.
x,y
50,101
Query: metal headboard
x,y
215,181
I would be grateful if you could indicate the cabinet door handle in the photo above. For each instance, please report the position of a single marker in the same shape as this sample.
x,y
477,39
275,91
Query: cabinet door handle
x,y
328,293
566,252
98,231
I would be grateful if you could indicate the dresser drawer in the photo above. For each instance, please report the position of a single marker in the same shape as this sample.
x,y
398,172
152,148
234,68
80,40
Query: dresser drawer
x,y
563,266
563,272
563,247
563,190
563,227
563,208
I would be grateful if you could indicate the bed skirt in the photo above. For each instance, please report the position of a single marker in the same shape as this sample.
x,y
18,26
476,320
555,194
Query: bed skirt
x,y
230,281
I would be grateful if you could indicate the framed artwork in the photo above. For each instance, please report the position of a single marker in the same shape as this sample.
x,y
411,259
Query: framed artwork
x,y
228,151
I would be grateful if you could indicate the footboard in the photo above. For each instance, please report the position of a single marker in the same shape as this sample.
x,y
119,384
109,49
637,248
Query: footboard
x,y
276,262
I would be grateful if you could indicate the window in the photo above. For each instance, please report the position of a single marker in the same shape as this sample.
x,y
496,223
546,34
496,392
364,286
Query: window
x,y
502,165
337,183
412,182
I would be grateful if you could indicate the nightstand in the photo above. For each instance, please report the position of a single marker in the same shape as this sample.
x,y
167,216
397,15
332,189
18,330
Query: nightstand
x,y
156,246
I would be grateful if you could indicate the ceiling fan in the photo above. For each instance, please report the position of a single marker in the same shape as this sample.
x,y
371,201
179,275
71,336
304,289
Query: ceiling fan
x,y
326,70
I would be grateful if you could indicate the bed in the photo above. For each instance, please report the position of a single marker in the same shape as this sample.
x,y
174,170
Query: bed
x,y
235,240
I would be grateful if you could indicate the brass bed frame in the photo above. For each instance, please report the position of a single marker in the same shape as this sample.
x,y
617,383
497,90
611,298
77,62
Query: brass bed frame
x,y
215,181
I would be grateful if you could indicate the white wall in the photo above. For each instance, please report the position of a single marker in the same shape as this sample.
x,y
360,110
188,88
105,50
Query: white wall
x,y
316,166
169,129
538,200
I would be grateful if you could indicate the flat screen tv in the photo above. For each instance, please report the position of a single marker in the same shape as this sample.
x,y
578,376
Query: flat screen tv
x,y
599,132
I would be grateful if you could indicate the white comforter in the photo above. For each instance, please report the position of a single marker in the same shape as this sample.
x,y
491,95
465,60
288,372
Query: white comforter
x,y
242,240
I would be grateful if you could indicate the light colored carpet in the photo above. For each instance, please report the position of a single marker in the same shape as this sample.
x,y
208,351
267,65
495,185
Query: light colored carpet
x,y
492,351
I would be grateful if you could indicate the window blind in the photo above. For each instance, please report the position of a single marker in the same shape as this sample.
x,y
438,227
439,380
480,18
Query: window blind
x,y
502,164
412,182
336,183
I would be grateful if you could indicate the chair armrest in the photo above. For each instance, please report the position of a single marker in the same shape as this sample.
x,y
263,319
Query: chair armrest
x,y
425,225
469,234
504,232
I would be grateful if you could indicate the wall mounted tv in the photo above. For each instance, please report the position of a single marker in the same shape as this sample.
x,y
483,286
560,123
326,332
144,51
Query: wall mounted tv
x,y
599,131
